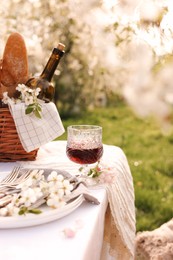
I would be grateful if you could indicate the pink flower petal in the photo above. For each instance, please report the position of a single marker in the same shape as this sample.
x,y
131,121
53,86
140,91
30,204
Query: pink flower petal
x,y
79,223
69,233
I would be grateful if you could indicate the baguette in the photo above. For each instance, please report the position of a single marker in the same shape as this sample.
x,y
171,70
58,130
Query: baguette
x,y
14,64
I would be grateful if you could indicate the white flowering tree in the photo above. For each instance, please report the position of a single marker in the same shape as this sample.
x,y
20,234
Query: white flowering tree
x,y
120,46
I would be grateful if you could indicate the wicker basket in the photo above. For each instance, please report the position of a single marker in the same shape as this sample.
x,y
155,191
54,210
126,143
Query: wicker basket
x,y
11,149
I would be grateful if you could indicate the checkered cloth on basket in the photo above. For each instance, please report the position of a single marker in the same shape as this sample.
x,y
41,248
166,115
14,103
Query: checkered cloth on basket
x,y
34,132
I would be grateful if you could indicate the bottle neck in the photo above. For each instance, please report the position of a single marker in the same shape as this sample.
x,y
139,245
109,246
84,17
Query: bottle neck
x,y
52,64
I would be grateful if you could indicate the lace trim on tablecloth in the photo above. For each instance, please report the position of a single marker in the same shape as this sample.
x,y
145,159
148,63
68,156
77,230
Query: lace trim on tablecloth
x,y
112,243
120,223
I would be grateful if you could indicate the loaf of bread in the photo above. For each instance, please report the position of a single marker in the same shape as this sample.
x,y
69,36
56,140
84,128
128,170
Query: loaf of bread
x,y
14,67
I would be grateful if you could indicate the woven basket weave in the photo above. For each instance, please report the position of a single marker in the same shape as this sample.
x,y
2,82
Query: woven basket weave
x,y
11,149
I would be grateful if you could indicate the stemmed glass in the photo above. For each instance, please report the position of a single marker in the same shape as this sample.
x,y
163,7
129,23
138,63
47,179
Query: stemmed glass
x,y
84,144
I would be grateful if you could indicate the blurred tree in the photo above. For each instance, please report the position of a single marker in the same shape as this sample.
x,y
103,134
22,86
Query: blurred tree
x,y
121,46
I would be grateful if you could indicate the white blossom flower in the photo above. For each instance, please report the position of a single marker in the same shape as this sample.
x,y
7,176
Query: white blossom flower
x,y
57,184
38,192
37,91
15,200
30,90
12,209
21,88
53,176
29,97
28,197
103,172
55,179
60,178
67,187
44,186
29,100
56,191
106,177
6,98
36,176
55,202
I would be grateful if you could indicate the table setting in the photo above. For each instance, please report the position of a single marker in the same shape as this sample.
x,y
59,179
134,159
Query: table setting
x,y
116,208
71,199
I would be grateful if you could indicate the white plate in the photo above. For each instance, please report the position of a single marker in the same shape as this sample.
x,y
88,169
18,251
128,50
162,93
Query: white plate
x,y
46,216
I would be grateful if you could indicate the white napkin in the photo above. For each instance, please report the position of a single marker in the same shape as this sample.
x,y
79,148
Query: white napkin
x,y
32,131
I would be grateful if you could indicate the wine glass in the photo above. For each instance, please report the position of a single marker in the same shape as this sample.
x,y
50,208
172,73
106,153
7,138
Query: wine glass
x,y
84,144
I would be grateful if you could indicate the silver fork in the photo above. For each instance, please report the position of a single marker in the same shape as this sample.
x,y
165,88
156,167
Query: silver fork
x,y
12,176
23,177
8,189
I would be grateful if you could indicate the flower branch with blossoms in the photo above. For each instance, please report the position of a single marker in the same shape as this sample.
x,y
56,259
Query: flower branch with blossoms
x,y
101,173
37,190
29,97
53,190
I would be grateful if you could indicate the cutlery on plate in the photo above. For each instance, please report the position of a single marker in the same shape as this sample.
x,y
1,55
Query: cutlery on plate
x,y
12,176
81,189
5,200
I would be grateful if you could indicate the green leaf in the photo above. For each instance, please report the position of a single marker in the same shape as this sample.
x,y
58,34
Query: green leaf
x,y
31,105
29,110
22,211
37,113
35,211
38,107
90,172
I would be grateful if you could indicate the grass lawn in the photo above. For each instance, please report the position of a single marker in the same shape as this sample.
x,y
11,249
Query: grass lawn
x,y
150,156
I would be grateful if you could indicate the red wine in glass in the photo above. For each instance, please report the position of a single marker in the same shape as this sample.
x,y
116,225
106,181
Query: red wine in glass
x,y
84,144
84,156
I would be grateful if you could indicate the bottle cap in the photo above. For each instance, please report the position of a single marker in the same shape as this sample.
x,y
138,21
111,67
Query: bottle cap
x,y
61,46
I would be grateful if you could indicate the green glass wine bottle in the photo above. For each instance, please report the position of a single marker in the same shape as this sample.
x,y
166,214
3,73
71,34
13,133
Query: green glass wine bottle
x,y
44,80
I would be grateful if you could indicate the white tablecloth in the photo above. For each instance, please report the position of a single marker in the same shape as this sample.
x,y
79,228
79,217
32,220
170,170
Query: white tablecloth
x,y
47,241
